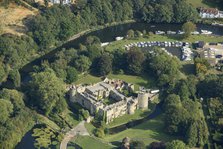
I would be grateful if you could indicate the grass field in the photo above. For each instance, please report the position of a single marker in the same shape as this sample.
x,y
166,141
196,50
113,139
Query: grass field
x,y
152,130
87,142
136,80
11,19
139,114
88,79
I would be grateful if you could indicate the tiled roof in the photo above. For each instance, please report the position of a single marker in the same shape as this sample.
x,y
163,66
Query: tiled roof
x,y
209,10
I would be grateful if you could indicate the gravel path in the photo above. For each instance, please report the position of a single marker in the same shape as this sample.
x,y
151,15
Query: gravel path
x,y
78,130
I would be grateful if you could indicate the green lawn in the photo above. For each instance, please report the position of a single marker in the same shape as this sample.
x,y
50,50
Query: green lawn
x,y
127,118
87,142
136,80
139,114
152,130
88,79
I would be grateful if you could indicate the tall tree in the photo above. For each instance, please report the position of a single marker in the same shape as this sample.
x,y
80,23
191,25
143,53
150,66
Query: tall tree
x,y
188,27
6,108
104,65
72,75
135,58
83,63
176,144
47,91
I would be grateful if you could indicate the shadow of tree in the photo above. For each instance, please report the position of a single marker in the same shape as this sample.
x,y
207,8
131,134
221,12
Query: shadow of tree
x,y
188,69
211,3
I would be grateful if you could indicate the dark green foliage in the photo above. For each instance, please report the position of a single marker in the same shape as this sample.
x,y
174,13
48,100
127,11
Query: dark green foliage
x,y
165,67
215,106
56,23
176,144
201,65
157,145
172,100
119,60
99,132
137,145
92,40
83,114
135,58
184,92
183,117
46,91
14,76
197,134
130,34
181,13
188,27
211,86
19,122
83,63
14,53
6,108
3,72
94,51
104,65
72,75
163,13
45,137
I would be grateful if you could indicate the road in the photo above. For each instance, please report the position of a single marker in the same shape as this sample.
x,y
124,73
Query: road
x,y
78,130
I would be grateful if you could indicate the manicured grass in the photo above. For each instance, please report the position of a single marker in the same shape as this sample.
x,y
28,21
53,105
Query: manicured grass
x,y
139,114
87,142
152,130
90,128
127,118
88,79
136,80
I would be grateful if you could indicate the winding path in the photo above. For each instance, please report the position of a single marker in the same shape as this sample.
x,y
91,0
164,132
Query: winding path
x,y
78,130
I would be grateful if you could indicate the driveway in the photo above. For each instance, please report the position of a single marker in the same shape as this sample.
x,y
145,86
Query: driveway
x,y
78,130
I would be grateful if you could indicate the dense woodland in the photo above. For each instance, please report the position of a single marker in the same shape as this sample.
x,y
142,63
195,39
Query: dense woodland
x,y
46,90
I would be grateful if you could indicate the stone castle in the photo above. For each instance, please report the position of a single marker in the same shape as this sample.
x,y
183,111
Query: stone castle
x,y
92,97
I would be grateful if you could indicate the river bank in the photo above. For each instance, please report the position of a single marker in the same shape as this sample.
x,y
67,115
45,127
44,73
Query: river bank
x,y
105,34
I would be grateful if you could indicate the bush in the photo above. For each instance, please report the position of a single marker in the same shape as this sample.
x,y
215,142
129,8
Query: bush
x,y
99,132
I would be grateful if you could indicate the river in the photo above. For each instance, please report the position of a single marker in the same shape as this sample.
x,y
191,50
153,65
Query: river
x,y
106,35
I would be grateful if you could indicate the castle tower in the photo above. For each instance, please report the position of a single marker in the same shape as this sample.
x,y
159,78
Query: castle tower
x,y
143,100
72,94
131,108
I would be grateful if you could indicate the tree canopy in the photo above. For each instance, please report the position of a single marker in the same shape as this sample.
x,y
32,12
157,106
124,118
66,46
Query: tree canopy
x,y
47,91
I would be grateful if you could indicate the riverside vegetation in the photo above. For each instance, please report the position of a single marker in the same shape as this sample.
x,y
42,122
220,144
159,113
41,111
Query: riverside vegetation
x,y
21,104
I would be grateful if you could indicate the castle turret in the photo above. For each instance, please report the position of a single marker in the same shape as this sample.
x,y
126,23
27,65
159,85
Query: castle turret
x,y
73,92
143,100
131,108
